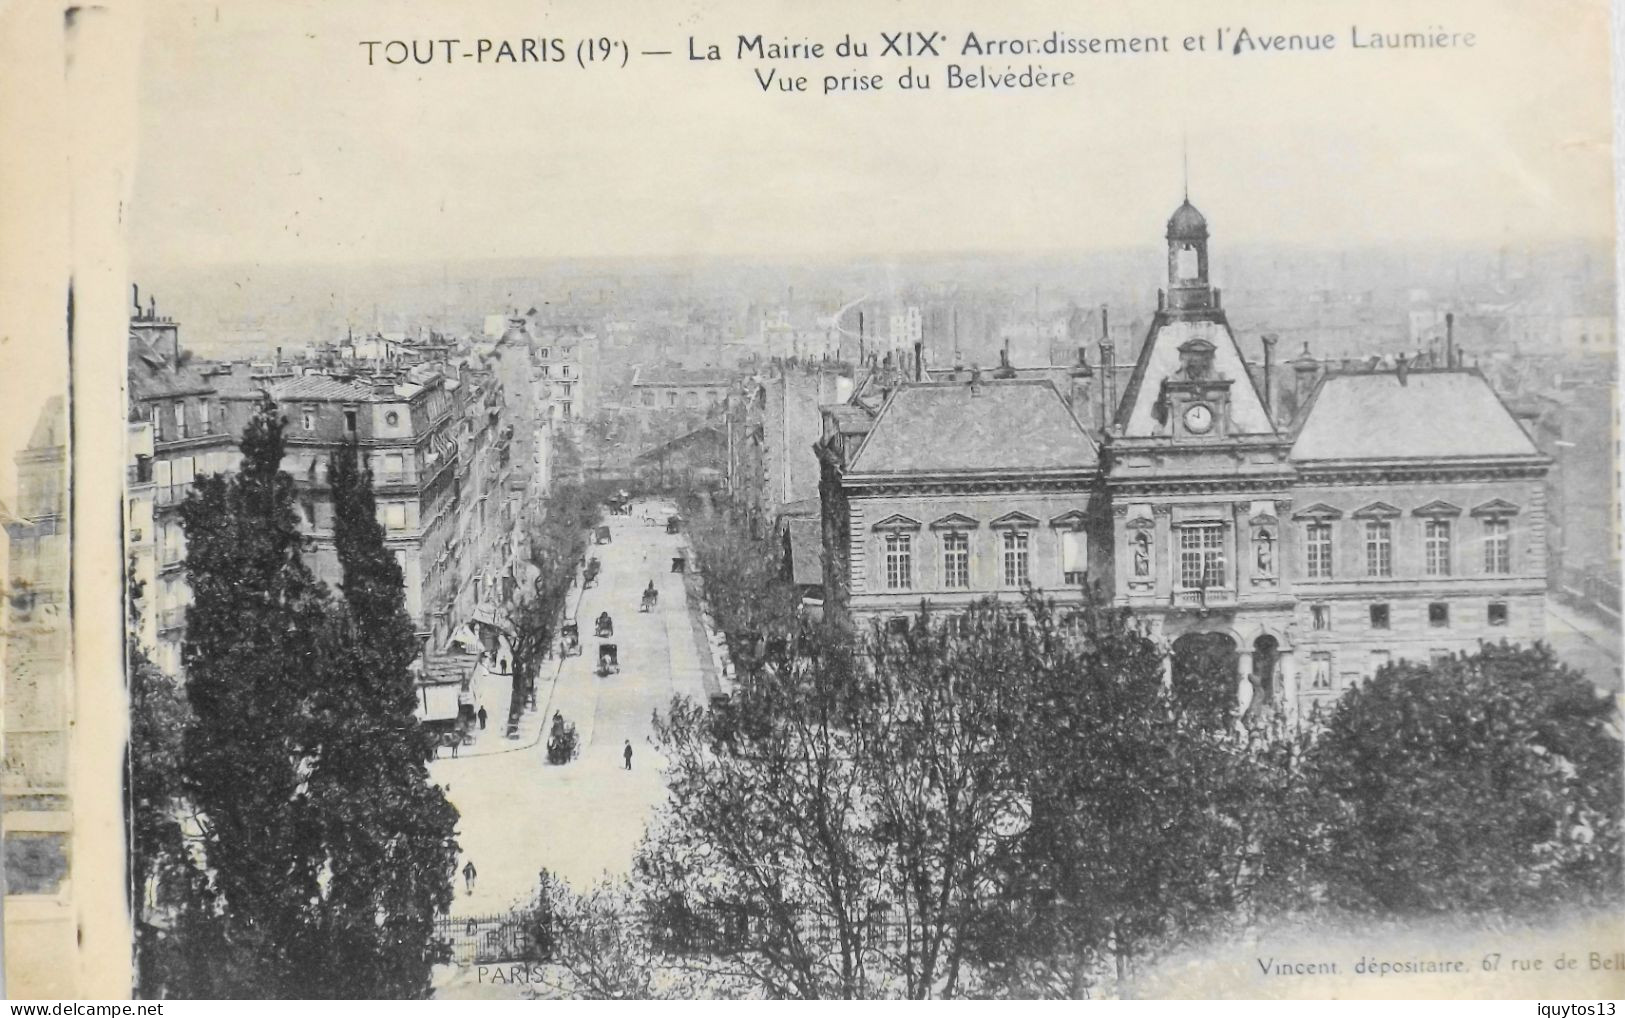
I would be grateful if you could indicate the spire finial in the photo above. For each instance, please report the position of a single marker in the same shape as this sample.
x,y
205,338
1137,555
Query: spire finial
x,y
1185,160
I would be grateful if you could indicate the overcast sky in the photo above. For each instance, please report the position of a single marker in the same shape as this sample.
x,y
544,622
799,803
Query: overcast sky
x,y
265,137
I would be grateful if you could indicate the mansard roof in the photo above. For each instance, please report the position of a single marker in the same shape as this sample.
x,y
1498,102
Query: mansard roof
x,y
997,426
1424,415
1159,361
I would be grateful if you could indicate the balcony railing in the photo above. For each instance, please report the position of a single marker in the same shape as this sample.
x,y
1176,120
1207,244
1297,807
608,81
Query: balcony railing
x,y
1210,597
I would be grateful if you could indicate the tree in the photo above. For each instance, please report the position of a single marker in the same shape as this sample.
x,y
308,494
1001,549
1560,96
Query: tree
x,y
1151,811
557,542
760,852
1484,782
170,899
327,851
744,591
258,648
995,803
390,834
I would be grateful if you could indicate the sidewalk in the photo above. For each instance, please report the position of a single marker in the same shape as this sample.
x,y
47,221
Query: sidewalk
x,y
494,692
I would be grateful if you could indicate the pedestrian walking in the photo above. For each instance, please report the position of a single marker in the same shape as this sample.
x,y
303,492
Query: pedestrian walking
x,y
626,754
469,873
482,716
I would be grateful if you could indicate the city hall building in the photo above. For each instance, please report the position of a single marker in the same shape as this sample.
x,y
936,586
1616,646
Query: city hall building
x,y
1396,512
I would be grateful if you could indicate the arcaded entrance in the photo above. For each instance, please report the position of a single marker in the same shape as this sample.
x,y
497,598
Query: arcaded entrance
x,y
1205,670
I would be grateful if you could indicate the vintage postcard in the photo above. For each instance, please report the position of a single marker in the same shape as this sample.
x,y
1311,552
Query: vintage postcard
x,y
717,499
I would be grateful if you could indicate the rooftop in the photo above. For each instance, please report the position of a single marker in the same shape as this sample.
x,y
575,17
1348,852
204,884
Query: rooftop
x,y
681,376
322,387
1430,414
946,427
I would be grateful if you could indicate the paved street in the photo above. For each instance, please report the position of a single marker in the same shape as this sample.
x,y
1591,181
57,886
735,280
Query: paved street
x,y
584,818
1585,642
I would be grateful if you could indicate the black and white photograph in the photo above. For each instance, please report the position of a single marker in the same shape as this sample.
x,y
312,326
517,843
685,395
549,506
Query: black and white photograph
x,y
726,500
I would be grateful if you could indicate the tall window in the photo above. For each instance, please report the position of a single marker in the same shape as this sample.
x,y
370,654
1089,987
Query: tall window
x,y
1318,543
1320,671
899,561
1074,557
956,559
180,419
1015,558
1436,541
1379,548
307,417
1497,545
1201,556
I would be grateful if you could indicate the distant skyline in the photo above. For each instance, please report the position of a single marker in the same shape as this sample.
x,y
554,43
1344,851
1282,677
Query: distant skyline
x,y
264,137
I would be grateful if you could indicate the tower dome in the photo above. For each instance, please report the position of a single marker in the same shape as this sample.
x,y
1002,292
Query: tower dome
x,y
1186,223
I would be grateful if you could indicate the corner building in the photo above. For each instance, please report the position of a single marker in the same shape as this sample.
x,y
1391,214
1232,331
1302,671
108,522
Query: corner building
x,y
1398,513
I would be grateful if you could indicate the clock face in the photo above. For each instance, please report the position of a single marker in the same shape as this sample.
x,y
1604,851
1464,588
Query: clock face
x,y
1198,419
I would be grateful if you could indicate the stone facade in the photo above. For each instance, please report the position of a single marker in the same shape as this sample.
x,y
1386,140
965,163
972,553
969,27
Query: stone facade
x,y
1388,514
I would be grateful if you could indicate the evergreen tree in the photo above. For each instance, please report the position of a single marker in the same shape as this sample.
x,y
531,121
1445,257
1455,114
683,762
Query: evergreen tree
x,y
327,850
170,900
258,647
391,834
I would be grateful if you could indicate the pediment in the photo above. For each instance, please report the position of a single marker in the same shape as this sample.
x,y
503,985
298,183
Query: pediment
x,y
1015,519
1319,511
955,521
1264,520
1495,507
897,521
1377,510
1072,519
1437,507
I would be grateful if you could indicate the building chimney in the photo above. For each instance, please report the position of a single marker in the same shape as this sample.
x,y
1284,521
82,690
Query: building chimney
x,y
1005,370
135,295
1108,370
1270,340
1449,339
1304,370
1401,368
919,361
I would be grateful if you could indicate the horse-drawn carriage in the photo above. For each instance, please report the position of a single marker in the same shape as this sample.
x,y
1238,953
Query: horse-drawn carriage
x,y
561,741
605,626
589,575
674,524
651,596
569,640
601,536
608,659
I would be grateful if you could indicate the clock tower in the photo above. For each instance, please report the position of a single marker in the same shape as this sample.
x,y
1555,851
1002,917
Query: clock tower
x,y
1199,482
1195,401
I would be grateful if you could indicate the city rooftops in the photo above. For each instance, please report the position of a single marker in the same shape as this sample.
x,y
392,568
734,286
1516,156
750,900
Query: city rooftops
x,y
1417,414
326,388
993,427
681,377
